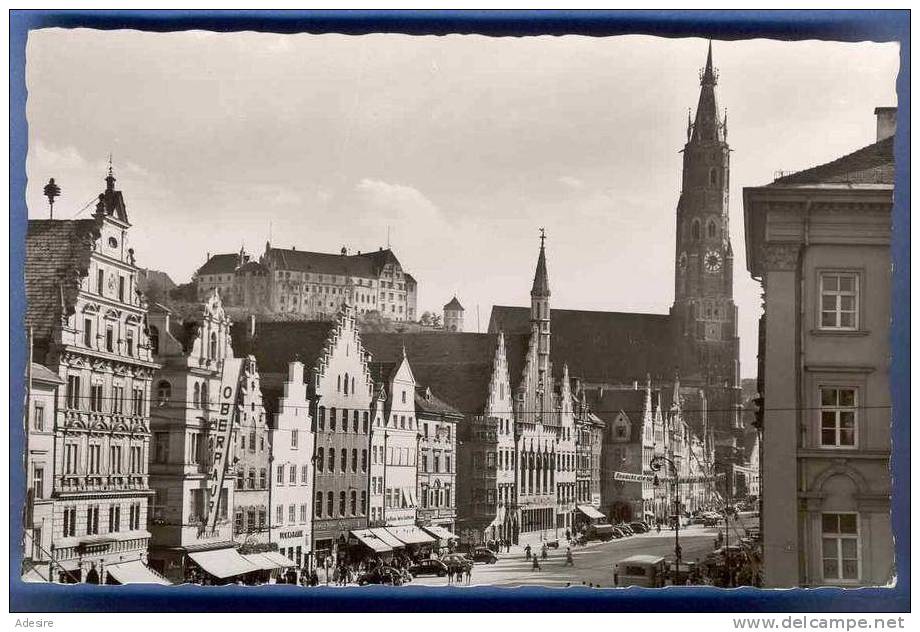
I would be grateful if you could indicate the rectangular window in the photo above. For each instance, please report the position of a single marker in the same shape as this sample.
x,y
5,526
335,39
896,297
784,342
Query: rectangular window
x,y
261,520
279,478
109,339
115,462
263,479
238,521
293,439
114,518
73,391
70,458
318,509
38,482
138,400
279,515
447,464
839,300
38,417
95,459
100,281
840,546
118,399
135,517
92,520
303,513
304,474
121,288
95,398
129,342
70,522
293,477
838,417
87,332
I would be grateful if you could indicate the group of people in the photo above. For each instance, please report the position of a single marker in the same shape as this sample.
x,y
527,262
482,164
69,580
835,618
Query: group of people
x,y
497,546
544,554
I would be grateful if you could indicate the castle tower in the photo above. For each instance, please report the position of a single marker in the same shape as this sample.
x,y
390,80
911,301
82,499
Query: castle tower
x,y
704,312
453,316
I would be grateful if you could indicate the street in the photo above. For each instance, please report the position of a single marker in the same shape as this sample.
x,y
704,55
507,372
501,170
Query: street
x,y
594,563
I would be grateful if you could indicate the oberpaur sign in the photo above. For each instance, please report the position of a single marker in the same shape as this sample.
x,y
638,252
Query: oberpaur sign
x,y
222,429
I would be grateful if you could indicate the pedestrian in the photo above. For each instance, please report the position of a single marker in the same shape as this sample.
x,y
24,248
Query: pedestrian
x,y
450,575
527,552
469,574
658,526
536,564
569,560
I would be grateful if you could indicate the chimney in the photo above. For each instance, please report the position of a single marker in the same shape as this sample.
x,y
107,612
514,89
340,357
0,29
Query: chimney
x,y
252,326
209,257
635,385
293,247
885,122
344,251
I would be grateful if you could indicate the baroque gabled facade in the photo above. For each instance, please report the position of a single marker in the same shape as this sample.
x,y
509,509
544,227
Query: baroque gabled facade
x,y
89,326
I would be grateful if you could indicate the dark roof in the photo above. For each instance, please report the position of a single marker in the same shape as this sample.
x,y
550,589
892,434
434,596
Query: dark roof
x,y
278,343
220,264
456,366
57,258
454,305
611,347
873,164
367,265
410,280
428,403
41,373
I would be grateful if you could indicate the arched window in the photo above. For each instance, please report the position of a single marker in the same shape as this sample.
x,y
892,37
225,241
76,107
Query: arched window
x,y
346,384
213,346
196,399
330,506
332,419
343,464
711,229
352,385
320,458
319,504
154,335
204,395
695,230
338,383
164,392
354,503
321,418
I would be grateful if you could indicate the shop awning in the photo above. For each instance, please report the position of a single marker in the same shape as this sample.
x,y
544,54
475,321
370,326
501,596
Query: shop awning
x,y
223,563
268,560
388,538
135,572
441,533
371,540
591,512
410,534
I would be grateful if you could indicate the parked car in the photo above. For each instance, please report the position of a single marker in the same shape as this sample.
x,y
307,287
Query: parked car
x,y
618,533
429,567
382,575
552,544
457,562
638,527
625,528
482,554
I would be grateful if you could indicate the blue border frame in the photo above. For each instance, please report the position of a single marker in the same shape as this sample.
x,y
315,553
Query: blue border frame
x,y
873,25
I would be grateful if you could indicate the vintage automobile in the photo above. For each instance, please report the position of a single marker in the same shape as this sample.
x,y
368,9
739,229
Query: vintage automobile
x,y
648,571
483,554
428,567
639,527
382,575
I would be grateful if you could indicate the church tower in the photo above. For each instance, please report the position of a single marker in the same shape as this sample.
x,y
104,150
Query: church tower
x,y
539,325
704,312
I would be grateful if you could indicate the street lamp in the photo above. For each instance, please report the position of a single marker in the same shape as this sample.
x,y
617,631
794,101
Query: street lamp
x,y
656,464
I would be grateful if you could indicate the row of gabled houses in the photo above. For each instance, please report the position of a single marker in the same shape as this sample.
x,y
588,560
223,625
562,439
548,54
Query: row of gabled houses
x,y
171,446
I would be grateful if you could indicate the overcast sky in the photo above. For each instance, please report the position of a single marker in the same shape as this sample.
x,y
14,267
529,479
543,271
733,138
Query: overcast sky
x,y
463,145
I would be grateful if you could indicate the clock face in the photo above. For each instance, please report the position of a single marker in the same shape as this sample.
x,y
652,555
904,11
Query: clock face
x,y
682,260
713,261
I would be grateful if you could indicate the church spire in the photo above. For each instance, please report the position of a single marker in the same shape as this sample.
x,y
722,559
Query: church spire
x,y
540,277
707,127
